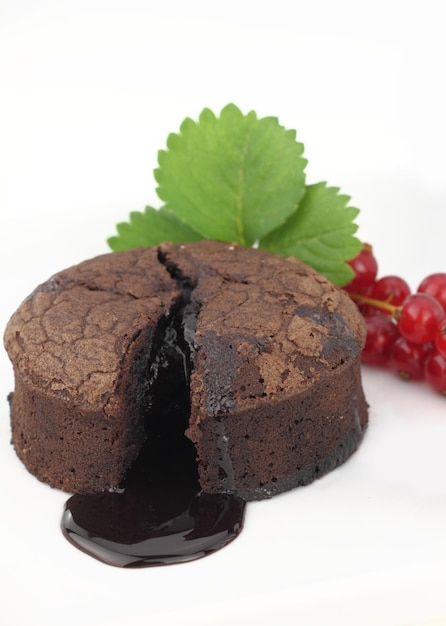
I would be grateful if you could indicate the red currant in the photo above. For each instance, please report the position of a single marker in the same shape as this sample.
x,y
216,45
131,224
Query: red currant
x,y
435,286
381,335
390,289
440,338
435,372
419,318
408,359
406,332
365,267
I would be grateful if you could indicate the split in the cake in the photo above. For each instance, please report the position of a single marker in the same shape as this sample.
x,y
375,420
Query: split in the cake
x,y
159,515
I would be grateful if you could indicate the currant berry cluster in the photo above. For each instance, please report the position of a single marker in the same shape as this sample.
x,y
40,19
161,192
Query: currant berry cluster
x,y
406,332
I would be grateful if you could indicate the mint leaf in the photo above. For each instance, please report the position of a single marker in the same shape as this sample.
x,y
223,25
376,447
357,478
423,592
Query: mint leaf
x,y
234,178
320,233
149,229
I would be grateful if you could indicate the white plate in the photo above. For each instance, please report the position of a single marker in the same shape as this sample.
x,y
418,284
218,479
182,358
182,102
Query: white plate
x,y
89,91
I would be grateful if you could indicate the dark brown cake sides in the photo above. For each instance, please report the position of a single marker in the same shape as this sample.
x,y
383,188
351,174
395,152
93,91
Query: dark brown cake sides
x,y
269,348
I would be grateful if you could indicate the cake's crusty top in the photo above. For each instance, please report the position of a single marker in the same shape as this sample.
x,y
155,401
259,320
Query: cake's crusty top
x,y
266,325
70,336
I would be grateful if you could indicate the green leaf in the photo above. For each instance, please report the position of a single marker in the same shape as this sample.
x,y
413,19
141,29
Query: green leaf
x,y
320,233
234,178
149,229
241,179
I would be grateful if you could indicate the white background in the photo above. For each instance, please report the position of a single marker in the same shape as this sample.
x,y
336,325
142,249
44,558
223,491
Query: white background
x,y
89,91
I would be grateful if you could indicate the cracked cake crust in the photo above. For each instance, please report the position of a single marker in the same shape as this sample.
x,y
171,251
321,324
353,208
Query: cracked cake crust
x,y
275,388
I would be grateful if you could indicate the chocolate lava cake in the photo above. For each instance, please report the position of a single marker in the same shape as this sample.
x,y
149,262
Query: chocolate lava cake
x,y
262,355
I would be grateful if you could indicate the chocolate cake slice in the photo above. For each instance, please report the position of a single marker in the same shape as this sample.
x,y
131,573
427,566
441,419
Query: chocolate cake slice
x,y
84,348
276,395
268,351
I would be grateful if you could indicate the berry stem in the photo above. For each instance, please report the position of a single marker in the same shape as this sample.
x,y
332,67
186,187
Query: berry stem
x,y
394,310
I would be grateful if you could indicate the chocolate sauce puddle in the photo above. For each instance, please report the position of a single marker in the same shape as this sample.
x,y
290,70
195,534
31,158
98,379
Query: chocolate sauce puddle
x,y
158,516
159,519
